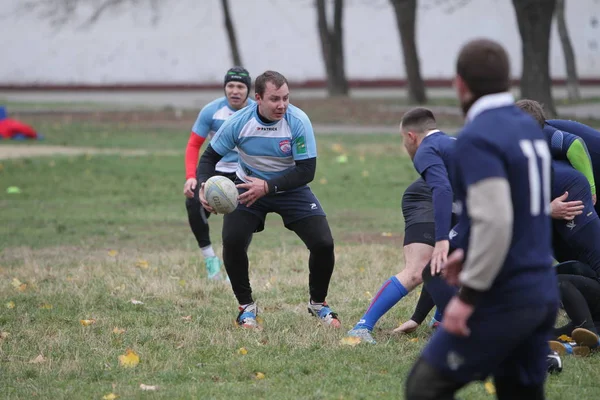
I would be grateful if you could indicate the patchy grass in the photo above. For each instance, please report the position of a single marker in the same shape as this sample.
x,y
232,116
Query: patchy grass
x,y
87,234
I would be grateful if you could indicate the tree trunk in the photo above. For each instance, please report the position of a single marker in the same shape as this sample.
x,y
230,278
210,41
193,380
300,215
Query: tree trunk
x,y
332,47
406,15
565,41
235,51
534,18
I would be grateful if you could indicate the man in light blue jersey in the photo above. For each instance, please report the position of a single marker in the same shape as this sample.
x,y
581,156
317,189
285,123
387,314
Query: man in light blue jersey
x,y
237,84
277,159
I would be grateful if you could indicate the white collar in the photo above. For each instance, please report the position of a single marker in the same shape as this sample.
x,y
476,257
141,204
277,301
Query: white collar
x,y
431,132
488,102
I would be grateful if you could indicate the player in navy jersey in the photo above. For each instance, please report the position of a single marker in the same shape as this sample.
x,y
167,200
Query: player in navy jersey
x,y
576,238
499,322
236,85
430,149
277,159
571,141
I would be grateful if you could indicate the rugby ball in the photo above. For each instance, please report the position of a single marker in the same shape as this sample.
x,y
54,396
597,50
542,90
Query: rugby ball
x,y
221,194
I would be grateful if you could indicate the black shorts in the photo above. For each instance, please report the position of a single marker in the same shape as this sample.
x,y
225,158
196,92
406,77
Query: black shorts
x,y
423,232
292,205
417,209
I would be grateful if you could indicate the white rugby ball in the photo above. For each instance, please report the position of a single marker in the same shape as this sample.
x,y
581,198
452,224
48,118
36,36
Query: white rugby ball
x,y
221,194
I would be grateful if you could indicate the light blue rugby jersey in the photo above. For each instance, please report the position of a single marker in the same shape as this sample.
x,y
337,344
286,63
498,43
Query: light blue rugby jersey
x,y
209,120
266,150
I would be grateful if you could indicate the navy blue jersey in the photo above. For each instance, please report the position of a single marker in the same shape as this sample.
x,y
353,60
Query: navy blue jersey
x,y
432,161
506,143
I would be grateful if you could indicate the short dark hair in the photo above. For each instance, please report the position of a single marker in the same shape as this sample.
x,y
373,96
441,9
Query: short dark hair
x,y
484,66
419,120
533,108
277,79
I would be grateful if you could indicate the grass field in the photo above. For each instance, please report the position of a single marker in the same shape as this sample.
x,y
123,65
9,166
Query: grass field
x,y
87,234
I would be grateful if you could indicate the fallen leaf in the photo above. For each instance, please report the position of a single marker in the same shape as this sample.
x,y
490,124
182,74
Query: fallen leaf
x,y
565,338
323,181
142,264
350,341
39,359
10,304
242,351
110,396
338,148
386,234
4,335
113,253
490,388
179,346
368,295
414,340
46,306
130,359
18,285
365,173
148,387
362,269
87,322
259,375
187,318
136,302
118,331
182,282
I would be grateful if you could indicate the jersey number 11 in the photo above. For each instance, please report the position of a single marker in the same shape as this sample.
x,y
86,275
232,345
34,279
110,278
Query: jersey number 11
x,y
539,184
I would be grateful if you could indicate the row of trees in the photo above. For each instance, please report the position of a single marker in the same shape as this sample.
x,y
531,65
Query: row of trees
x,y
534,20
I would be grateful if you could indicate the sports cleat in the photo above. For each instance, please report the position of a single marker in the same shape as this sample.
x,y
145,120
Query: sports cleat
x,y
563,348
324,313
213,268
247,316
363,334
554,362
584,337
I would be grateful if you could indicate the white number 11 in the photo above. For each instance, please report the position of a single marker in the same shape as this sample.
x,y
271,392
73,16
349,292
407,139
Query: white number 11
x,y
532,150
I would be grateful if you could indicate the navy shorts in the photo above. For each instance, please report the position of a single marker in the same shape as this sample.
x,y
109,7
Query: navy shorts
x,y
292,205
509,343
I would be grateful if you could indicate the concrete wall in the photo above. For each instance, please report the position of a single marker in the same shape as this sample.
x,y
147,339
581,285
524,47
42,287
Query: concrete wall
x,y
188,44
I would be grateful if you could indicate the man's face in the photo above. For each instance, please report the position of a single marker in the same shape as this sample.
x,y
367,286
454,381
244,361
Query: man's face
x,y
274,102
410,141
236,93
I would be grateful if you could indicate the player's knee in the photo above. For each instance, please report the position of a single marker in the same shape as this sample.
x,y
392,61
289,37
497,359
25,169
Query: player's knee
x,y
192,204
321,239
426,382
235,239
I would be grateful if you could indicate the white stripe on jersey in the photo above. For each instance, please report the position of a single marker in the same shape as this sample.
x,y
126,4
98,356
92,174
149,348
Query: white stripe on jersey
x,y
278,130
227,167
267,163
223,113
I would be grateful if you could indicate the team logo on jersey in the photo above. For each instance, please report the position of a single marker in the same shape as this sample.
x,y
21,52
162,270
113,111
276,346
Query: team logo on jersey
x,y
266,128
571,224
285,146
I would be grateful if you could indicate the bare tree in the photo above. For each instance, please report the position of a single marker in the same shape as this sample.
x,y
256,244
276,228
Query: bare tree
x,y
406,15
233,44
534,18
61,12
565,41
332,47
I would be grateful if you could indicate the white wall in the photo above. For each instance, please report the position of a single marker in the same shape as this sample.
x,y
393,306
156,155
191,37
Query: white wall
x,y
188,43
